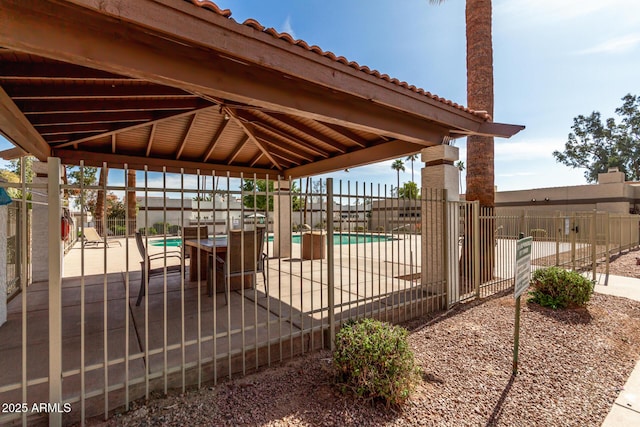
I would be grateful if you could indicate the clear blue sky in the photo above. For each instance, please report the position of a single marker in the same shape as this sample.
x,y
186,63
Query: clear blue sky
x,y
553,60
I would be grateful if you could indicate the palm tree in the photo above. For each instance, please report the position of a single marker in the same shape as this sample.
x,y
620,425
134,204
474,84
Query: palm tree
x,y
460,165
480,150
398,166
411,159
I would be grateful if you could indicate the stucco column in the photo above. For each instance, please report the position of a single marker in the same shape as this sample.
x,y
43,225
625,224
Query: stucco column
x,y
440,226
4,218
282,219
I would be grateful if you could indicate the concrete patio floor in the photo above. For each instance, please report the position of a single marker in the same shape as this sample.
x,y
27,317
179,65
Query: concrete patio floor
x,y
173,337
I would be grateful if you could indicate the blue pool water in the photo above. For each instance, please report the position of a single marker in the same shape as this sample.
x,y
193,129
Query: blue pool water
x,y
338,239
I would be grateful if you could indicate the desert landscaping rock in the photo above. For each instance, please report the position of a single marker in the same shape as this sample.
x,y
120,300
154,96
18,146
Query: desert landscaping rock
x,y
572,366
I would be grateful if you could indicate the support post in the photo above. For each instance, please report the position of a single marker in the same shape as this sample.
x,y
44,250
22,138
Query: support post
x,y
440,173
330,266
282,219
55,289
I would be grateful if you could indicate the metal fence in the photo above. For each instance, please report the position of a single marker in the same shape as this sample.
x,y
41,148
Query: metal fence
x,y
14,241
325,263
117,326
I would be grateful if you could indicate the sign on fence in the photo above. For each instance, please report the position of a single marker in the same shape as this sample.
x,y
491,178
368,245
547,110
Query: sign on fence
x,y
523,265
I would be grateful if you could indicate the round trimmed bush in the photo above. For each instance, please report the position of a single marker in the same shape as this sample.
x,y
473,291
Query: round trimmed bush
x,y
555,287
373,360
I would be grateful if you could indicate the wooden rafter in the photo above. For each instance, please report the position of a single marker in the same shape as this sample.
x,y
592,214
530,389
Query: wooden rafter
x,y
152,135
124,49
273,145
79,106
92,117
355,139
94,91
215,140
282,133
310,132
249,132
113,143
186,135
137,126
236,151
59,71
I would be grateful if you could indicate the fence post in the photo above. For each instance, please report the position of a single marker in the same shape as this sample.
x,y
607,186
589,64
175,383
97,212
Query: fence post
x,y
55,290
476,246
594,243
330,266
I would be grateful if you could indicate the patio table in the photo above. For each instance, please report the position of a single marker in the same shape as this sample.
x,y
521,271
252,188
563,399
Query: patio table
x,y
202,248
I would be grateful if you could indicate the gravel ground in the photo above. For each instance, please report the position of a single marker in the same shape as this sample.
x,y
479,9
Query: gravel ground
x,y
572,366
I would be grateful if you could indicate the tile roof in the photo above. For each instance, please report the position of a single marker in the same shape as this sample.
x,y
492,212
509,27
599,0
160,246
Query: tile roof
x,y
252,23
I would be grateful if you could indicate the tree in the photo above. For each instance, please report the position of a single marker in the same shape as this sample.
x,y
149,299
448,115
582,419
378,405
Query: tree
x,y
411,159
596,145
83,176
131,202
480,149
409,190
460,165
99,214
398,166
259,201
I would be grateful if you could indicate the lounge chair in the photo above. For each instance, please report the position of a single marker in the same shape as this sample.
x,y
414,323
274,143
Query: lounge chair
x,y
241,264
149,272
91,237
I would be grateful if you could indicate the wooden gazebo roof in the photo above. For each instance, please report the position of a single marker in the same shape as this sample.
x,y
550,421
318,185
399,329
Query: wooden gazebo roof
x,y
180,84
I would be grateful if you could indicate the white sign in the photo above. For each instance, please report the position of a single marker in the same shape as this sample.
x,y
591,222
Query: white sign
x,y
523,265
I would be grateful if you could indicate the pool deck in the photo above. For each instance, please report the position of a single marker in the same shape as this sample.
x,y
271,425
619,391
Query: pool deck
x,y
99,315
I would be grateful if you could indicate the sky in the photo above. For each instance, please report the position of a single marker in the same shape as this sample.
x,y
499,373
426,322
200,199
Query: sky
x,y
553,60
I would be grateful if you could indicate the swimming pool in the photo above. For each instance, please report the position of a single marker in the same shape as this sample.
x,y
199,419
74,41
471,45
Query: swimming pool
x,y
338,239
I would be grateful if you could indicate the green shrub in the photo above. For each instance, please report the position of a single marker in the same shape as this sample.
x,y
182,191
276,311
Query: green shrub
x,y
373,361
174,229
148,231
161,227
120,230
558,288
359,229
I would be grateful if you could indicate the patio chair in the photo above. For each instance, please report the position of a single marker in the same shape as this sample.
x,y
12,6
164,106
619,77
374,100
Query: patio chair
x,y
238,264
91,237
145,265
192,233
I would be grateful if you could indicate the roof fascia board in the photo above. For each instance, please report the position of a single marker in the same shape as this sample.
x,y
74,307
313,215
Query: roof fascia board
x,y
90,41
198,26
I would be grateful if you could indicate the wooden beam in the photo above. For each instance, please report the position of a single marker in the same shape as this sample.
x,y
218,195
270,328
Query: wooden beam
x,y
136,126
239,146
378,153
15,126
80,106
312,133
55,71
280,130
350,99
75,128
273,144
355,139
100,91
97,117
113,143
249,132
186,136
245,45
73,157
152,134
214,140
